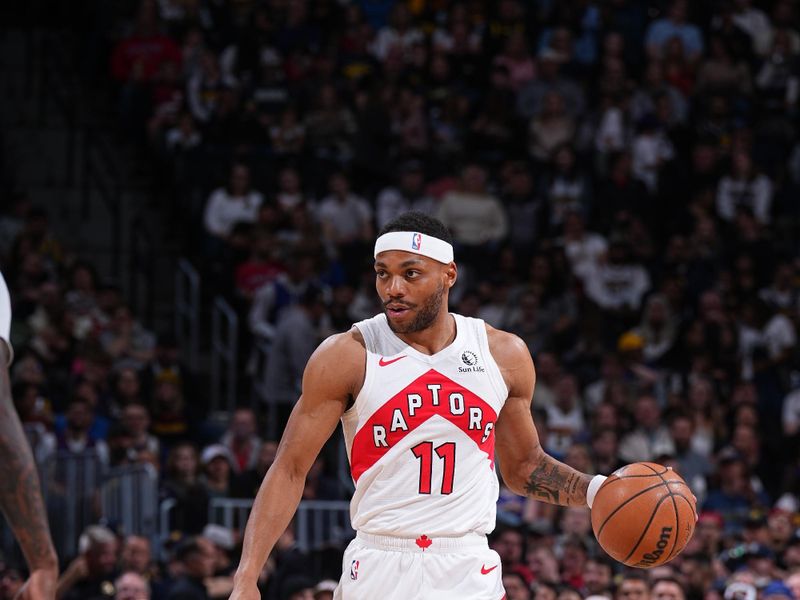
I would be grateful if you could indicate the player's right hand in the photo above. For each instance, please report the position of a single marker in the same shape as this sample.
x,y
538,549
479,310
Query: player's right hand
x,y
248,591
41,585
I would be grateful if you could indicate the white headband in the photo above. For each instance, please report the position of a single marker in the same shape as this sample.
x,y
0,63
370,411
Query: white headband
x,y
418,243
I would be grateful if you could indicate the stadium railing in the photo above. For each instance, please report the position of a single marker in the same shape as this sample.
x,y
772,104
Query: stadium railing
x,y
187,312
224,351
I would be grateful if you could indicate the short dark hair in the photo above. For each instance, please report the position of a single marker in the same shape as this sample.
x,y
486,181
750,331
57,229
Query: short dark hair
x,y
187,548
420,223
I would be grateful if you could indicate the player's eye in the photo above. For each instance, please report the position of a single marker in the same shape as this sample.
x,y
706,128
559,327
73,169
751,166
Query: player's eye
x,y
411,273
380,274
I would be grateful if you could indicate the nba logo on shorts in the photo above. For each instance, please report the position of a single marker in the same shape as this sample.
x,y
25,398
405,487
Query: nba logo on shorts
x,y
416,241
354,570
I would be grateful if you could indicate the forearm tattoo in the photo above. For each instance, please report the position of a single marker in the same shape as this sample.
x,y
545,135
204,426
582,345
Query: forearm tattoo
x,y
20,494
556,483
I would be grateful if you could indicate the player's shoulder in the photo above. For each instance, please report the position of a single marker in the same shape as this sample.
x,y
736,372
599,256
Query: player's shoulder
x,y
339,362
345,346
508,350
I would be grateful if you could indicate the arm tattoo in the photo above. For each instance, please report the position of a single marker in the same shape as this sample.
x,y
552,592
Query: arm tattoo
x,y
556,483
20,495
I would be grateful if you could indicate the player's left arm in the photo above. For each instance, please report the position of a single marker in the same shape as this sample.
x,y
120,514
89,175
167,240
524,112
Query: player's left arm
x,y
20,496
527,469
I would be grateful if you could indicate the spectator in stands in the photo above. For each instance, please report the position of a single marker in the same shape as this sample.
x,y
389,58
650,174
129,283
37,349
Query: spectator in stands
x,y
76,437
668,589
223,541
196,556
674,26
658,329
397,37
12,579
297,587
585,250
272,299
324,589
136,556
598,577
651,150
542,563
618,284
650,438
300,329
236,203
530,98
330,126
127,341
241,438
131,586
516,587
261,268
692,465
550,128
218,467
250,480
475,216
127,389
136,419
90,576
526,209
744,187
346,220
170,417
137,58
182,483
408,194
564,417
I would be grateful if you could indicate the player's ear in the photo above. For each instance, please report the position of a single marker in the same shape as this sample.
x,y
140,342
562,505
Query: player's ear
x,y
450,274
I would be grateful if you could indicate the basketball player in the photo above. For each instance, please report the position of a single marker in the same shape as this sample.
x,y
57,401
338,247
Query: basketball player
x,y
20,498
426,399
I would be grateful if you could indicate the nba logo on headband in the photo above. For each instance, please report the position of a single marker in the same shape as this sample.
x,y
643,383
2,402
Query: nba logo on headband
x,y
416,241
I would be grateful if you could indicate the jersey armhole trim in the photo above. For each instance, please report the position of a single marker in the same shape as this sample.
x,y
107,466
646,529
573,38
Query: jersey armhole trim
x,y
495,376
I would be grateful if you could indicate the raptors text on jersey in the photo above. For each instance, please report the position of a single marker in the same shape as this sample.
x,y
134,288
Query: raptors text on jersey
x,y
420,435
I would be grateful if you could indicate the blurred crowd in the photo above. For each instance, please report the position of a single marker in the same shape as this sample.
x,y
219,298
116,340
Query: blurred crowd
x,y
620,178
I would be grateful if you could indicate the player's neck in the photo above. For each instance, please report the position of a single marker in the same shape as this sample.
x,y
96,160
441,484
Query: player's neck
x,y
435,338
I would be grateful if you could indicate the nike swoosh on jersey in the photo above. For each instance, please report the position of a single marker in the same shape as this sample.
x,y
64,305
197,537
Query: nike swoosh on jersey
x,y
485,571
383,362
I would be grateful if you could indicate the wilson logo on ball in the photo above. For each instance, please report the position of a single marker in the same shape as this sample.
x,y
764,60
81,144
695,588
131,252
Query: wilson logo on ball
x,y
663,542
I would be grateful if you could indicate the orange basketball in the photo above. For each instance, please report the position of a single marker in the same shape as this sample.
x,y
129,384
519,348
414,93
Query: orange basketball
x,y
643,515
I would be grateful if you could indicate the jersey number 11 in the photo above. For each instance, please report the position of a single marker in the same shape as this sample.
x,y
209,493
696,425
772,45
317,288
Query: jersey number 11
x,y
424,452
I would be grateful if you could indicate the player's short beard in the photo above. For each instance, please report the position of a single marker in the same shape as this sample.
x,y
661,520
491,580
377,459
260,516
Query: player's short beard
x,y
425,316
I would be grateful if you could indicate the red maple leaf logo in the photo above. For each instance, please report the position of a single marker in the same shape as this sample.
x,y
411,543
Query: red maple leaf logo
x,y
423,542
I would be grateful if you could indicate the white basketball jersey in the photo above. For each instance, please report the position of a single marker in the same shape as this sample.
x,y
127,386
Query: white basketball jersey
x,y
420,435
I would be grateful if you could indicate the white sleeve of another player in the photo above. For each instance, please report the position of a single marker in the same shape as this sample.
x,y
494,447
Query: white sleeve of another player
x,y
5,317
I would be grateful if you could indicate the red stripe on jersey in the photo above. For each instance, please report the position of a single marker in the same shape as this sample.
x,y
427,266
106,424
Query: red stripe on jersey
x,y
366,453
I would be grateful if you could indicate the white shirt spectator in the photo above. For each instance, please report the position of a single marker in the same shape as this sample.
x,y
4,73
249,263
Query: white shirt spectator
x,y
650,151
755,194
346,218
583,253
223,211
615,287
791,413
562,427
474,219
755,24
611,134
391,203
779,335
389,38
640,445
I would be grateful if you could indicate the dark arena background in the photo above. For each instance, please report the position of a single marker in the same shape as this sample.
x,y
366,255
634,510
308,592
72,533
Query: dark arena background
x,y
189,195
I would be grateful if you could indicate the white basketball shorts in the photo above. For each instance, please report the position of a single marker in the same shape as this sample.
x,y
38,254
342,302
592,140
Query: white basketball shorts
x,y
389,568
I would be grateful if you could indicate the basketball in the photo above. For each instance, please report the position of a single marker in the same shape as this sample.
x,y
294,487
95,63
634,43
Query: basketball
x,y
644,515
